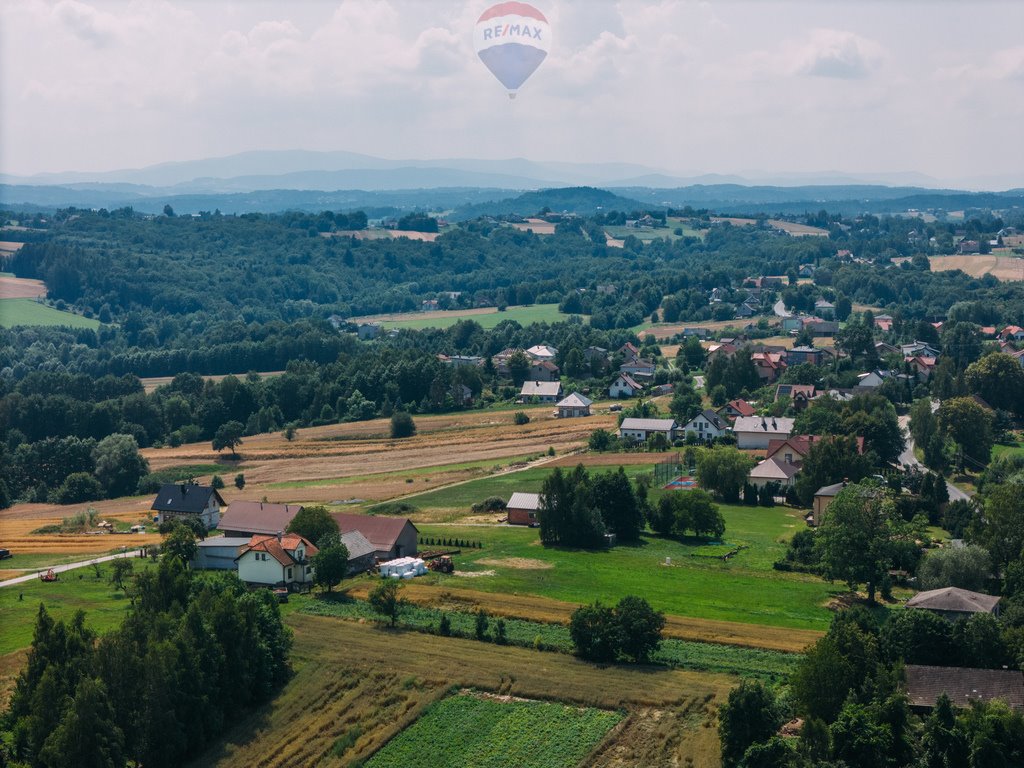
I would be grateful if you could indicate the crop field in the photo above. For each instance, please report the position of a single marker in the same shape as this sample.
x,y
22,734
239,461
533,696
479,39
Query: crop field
x,y
798,230
488,317
12,287
16,534
661,331
483,731
1004,267
537,226
357,686
29,312
152,383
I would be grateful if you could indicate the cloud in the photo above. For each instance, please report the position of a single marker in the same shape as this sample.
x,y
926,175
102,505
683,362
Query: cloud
x,y
835,53
86,22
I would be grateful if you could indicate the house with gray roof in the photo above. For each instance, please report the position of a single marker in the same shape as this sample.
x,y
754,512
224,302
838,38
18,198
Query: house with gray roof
x,y
954,603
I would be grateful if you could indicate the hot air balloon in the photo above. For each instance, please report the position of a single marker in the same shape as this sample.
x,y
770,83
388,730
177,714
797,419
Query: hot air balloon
x,y
512,39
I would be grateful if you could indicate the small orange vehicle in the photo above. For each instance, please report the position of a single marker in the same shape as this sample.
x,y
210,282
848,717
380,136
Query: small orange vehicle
x,y
48,576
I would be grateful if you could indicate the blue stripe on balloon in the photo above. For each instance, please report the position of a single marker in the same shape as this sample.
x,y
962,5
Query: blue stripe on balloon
x,y
512,63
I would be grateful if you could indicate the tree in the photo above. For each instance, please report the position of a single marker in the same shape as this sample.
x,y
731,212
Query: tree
x,y
595,633
1001,528
384,599
120,571
750,716
855,538
87,736
614,498
686,404
229,436
119,465
969,425
518,367
217,482
402,425
999,380
240,481
480,623
289,433
694,511
966,567
828,461
640,627
313,524
78,487
179,544
724,471
961,343
330,563
600,440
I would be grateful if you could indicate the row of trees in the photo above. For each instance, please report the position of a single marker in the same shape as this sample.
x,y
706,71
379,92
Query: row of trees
x,y
578,509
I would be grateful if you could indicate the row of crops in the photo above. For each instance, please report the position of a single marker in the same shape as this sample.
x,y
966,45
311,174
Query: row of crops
x,y
486,733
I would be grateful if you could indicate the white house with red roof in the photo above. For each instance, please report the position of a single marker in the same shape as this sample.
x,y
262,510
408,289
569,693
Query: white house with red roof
x,y
276,561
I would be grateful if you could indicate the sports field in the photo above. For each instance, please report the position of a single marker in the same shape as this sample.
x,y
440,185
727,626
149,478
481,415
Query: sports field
x,y
29,312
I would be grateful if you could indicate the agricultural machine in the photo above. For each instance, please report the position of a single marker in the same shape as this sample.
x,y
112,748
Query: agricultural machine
x,y
48,576
441,564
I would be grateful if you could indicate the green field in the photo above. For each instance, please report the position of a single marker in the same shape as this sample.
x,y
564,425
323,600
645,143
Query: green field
x,y
30,312
487,733
81,589
536,313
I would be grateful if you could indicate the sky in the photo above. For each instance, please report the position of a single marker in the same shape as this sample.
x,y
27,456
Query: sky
x,y
861,86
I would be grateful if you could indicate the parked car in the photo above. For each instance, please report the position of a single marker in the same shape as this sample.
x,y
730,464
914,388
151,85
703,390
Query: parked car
x,y
4,554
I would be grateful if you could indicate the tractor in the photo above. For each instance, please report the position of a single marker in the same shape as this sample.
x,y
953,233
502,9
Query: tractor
x,y
441,564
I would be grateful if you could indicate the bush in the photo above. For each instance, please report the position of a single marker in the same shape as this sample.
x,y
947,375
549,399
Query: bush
x,y
78,487
490,504
521,418
216,482
402,425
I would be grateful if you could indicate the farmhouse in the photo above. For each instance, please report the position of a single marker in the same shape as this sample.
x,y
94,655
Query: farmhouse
x,y
735,408
218,553
276,561
822,498
391,537
641,429
522,508
963,685
544,391
624,386
638,367
543,370
185,500
756,432
707,425
953,603
252,518
573,406
629,351
825,309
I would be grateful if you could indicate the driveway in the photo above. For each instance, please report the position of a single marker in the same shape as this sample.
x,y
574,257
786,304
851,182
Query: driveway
x,y
908,457
69,567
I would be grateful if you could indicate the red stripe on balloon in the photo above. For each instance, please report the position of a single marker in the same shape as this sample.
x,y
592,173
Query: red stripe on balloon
x,y
512,9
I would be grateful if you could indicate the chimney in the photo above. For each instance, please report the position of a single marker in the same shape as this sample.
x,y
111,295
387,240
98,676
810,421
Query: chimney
x,y
279,535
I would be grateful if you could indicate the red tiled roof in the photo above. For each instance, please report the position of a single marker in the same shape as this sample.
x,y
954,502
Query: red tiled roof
x,y
742,407
281,549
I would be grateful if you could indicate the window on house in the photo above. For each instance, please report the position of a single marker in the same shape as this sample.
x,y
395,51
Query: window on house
x,y
289,573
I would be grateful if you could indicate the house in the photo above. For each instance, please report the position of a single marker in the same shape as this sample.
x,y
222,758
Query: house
x,y
919,348
800,394
922,366
802,355
825,309
361,553
629,351
257,518
598,354
1012,333
755,432
638,367
883,322
641,429
806,270
883,350
793,449
544,391
873,379
820,327
391,537
624,386
953,603
543,370
989,331
707,425
457,361
276,561
542,352
177,501
769,365
429,305
461,394
792,324
745,310
700,333
968,246
218,553
724,350
575,405
822,498
773,471
368,331
501,361
735,408
522,508
963,685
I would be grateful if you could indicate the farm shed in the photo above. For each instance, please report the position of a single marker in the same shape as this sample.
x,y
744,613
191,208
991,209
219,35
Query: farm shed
x,y
218,554
522,508
249,518
962,685
183,500
573,406
361,554
953,603
641,429
391,537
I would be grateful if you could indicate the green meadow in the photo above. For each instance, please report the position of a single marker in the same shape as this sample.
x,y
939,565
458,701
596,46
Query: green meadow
x,y
30,312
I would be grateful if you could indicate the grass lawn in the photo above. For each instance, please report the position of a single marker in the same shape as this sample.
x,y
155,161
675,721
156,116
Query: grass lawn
x,y
29,312
1014,448
104,604
488,733
536,313
418,472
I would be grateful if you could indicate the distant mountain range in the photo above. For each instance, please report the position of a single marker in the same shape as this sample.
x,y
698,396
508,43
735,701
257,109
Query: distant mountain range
x,y
268,181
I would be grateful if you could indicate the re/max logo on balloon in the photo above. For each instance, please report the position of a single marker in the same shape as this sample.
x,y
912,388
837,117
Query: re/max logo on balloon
x,y
512,30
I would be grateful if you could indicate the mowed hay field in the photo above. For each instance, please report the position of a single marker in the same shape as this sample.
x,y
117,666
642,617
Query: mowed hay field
x,y
16,535
356,686
487,317
1002,267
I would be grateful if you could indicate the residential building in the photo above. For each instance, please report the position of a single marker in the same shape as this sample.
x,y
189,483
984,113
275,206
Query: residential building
x,y
176,501
457,361
962,685
883,350
953,603
391,537
574,406
919,348
624,386
543,391
822,498
638,367
769,365
923,366
825,309
542,352
543,370
368,331
884,322
773,471
1012,333
735,408
257,518
706,425
802,355
792,324
522,508
629,351
873,379
800,394
641,429
820,327
756,432
700,333
277,561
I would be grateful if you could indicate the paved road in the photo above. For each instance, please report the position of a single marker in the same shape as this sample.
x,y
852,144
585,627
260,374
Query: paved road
x,y
908,457
68,567
780,309
698,382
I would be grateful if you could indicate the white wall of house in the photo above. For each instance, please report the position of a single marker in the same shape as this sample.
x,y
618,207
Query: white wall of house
x,y
756,440
254,569
703,428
